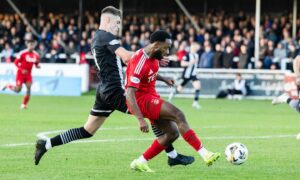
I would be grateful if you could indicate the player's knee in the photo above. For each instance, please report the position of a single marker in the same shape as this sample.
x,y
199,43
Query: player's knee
x,y
179,115
18,90
298,81
172,136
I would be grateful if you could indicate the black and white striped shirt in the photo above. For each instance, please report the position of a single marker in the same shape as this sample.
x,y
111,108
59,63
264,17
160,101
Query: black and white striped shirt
x,y
191,69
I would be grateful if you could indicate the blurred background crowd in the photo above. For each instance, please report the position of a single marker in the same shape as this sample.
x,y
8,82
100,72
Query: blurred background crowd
x,y
227,40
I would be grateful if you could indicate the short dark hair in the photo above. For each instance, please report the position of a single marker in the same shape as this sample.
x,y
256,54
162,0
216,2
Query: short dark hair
x,y
112,10
159,36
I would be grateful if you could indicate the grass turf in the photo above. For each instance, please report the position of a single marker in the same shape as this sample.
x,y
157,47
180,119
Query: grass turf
x,y
257,124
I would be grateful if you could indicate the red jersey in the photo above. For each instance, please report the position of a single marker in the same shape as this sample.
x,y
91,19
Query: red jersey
x,y
180,55
141,73
26,59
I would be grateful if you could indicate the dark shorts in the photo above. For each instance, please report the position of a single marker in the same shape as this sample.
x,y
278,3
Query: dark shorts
x,y
186,80
106,103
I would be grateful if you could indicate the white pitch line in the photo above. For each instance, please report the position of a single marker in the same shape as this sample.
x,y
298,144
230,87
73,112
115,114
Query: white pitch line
x,y
148,139
43,135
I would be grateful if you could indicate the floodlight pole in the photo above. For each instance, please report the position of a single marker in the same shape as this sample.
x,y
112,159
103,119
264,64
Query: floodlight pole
x,y
294,18
257,27
80,23
186,12
26,22
121,9
205,8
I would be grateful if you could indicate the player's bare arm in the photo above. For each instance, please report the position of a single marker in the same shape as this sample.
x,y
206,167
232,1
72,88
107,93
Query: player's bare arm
x,y
124,54
167,80
185,63
164,62
131,100
296,68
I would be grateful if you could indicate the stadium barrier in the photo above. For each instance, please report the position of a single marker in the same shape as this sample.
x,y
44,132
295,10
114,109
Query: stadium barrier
x,y
48,86
263,84
59,78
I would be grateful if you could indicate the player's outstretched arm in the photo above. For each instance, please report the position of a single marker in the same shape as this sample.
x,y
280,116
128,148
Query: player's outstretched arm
x,y
296,68
124,54
167,80
164,61
131,100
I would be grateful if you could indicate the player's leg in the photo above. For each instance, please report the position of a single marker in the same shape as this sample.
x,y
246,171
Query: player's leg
x,y
18,87
177,89
197,87
171,113
285,98
97,116
157,146
174,158
88,130
27,95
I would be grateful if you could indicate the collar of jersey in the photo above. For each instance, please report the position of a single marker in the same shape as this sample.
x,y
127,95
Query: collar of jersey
x,y
145,53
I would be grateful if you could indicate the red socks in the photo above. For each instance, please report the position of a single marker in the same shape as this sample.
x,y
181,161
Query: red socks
x,y
9,86
192,139
26,99
153,150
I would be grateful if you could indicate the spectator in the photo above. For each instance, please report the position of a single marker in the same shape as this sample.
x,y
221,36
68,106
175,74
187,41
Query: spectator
x,y
57,31
268,61
42,50
6,54
279,54
243,58
228,57
218,57
206,59
238,89
70,50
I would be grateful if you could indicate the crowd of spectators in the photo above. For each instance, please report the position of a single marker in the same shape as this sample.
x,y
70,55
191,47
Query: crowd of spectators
x,y
227,40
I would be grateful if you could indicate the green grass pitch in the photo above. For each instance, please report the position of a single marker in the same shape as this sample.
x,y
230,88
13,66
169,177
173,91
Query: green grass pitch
x,y
267,131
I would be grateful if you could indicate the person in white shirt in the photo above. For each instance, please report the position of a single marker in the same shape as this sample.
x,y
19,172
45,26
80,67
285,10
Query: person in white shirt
x,y
238,88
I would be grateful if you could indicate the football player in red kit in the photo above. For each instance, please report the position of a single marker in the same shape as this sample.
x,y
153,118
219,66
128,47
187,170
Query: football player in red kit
x,y
24,62
143,101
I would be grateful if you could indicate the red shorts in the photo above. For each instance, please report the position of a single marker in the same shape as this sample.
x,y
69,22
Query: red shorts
x,y
21,78
150,105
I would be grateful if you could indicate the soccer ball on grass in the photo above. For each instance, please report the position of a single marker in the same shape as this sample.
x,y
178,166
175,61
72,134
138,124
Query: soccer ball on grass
x,y
236,153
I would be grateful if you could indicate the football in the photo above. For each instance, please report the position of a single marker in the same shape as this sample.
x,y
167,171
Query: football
x,y
236,153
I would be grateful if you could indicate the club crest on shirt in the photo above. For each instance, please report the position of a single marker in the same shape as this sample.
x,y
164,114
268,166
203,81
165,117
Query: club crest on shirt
x,y
134,79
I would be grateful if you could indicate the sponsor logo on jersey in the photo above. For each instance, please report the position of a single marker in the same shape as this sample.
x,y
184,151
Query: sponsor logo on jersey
x,y
114,42
150,72
155,101
134,79
30,59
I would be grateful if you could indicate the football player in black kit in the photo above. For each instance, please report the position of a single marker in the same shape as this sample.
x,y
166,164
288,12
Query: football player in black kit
x,y
110,94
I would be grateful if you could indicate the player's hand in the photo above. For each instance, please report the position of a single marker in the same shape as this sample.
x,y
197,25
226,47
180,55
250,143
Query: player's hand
x,y
24,71
38,66
170,82
164,62
298,81
143,125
